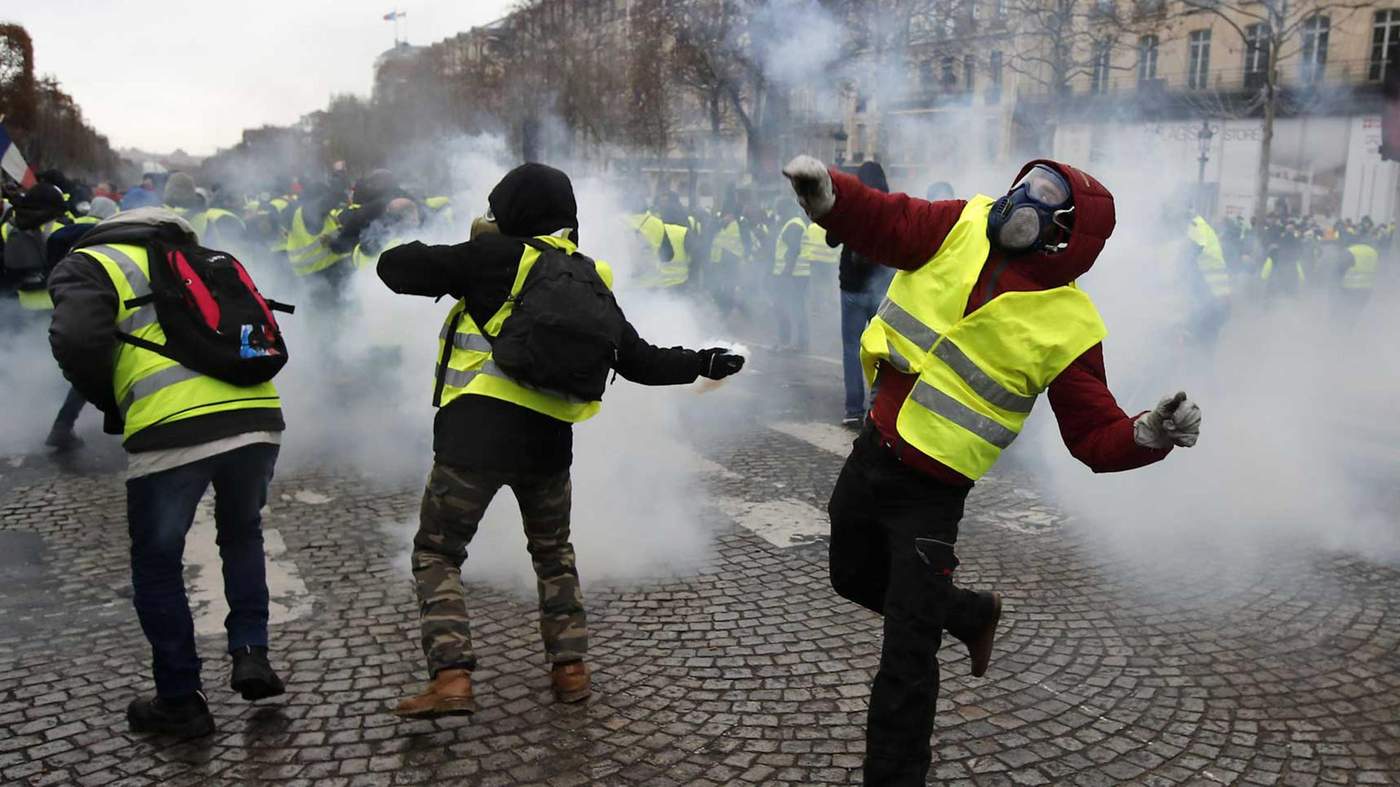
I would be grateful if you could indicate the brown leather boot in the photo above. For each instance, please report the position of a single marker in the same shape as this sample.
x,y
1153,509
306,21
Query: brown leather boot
x,y
449,694
979,645
571,682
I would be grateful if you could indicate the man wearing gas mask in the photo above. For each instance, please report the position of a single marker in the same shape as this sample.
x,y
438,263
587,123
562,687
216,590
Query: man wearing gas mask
x,y
983,317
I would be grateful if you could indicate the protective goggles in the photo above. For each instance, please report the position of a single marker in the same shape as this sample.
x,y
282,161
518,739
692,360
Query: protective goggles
x,y
1027,217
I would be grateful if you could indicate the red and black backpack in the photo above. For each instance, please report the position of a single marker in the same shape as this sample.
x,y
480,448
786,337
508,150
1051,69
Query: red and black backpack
x,y
215,320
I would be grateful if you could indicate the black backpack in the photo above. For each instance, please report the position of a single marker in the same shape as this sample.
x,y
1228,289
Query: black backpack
x,y
26,259
562,337
215,320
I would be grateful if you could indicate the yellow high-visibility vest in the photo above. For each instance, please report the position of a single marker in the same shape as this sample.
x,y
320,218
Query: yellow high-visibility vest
x,y
202,221
655,232
307,251
150,388
803,265
814,248
1210,260
980,373
727,241
1362,273
465,366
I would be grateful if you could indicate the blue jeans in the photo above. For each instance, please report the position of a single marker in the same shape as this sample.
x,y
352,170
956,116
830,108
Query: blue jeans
x,y
857,309
160,509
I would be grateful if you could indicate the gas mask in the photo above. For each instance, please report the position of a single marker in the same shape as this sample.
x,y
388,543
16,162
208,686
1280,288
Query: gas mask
x,y
1032,214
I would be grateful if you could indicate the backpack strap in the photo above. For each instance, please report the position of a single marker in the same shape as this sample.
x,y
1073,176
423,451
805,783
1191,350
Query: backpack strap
x,y
158,349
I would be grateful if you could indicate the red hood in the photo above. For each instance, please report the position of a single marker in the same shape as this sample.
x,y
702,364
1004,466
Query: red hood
x,y
1093,224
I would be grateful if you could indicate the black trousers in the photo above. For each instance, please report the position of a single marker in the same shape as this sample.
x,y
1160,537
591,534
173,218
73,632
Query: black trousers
x,y
892,535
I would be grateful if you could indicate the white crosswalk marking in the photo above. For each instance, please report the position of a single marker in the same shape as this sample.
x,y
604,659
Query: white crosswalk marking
x,y
783,522
289,599
832,438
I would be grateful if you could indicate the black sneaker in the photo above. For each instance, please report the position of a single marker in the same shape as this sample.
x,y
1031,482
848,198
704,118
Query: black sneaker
x,y
183,717
252,676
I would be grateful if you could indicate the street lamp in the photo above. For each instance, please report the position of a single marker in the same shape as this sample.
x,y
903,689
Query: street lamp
x,y
840,138
1203,137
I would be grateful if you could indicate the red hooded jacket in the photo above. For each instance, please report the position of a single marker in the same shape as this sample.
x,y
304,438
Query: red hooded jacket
x,y
904,232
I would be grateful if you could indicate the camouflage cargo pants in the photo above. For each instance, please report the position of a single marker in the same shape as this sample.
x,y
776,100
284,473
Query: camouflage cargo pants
x,y
453,505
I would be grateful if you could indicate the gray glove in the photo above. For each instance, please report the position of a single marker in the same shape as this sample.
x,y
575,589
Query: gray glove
x,y
1175,420
812,183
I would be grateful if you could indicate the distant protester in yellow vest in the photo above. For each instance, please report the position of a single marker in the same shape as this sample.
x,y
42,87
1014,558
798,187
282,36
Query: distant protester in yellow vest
x,y
983,316
494,429
792,275
183,431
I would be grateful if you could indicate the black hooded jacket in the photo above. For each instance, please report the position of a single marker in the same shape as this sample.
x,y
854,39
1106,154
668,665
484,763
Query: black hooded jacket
x,y
83,337
856,269
481,432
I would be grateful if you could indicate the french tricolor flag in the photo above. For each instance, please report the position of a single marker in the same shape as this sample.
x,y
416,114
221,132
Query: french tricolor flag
x,y
12,161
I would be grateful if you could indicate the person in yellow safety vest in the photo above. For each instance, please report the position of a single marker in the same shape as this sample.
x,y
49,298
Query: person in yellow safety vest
x,y
310,232
792,272
1210,257
38,214
981,319
727,258
1361,275
219,226
183,431
400,221
493,431
669,265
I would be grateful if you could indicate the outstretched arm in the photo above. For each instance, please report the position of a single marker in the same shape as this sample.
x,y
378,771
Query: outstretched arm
x,y
418,269
892,229
1095,429
644,363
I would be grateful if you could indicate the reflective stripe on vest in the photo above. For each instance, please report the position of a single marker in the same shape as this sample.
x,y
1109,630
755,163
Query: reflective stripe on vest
x,y
1362,273
150,388
803,266
471,370
306,251
979,373
1210,259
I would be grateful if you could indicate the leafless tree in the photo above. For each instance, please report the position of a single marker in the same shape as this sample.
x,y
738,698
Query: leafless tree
x,y
1276,30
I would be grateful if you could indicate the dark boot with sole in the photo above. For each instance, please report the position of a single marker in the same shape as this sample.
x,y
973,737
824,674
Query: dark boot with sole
x,y
449,694
252,676
182,717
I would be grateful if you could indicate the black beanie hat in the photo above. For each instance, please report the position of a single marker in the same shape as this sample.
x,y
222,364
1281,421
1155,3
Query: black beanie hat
x,y
534,199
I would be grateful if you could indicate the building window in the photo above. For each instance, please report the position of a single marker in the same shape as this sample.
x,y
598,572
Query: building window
x,y
1313,58
1385,43
1098,80
999,10
1198,65
969,73
926,75
1147,58
950,77
994,69
1256,55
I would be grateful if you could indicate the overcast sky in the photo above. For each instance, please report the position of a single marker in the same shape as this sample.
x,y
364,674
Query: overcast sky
x,y
192,74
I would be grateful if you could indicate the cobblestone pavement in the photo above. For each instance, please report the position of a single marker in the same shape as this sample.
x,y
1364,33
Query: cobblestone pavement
x,y
744,670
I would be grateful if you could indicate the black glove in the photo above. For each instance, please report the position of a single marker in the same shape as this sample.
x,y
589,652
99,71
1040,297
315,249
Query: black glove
x,y
717,363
